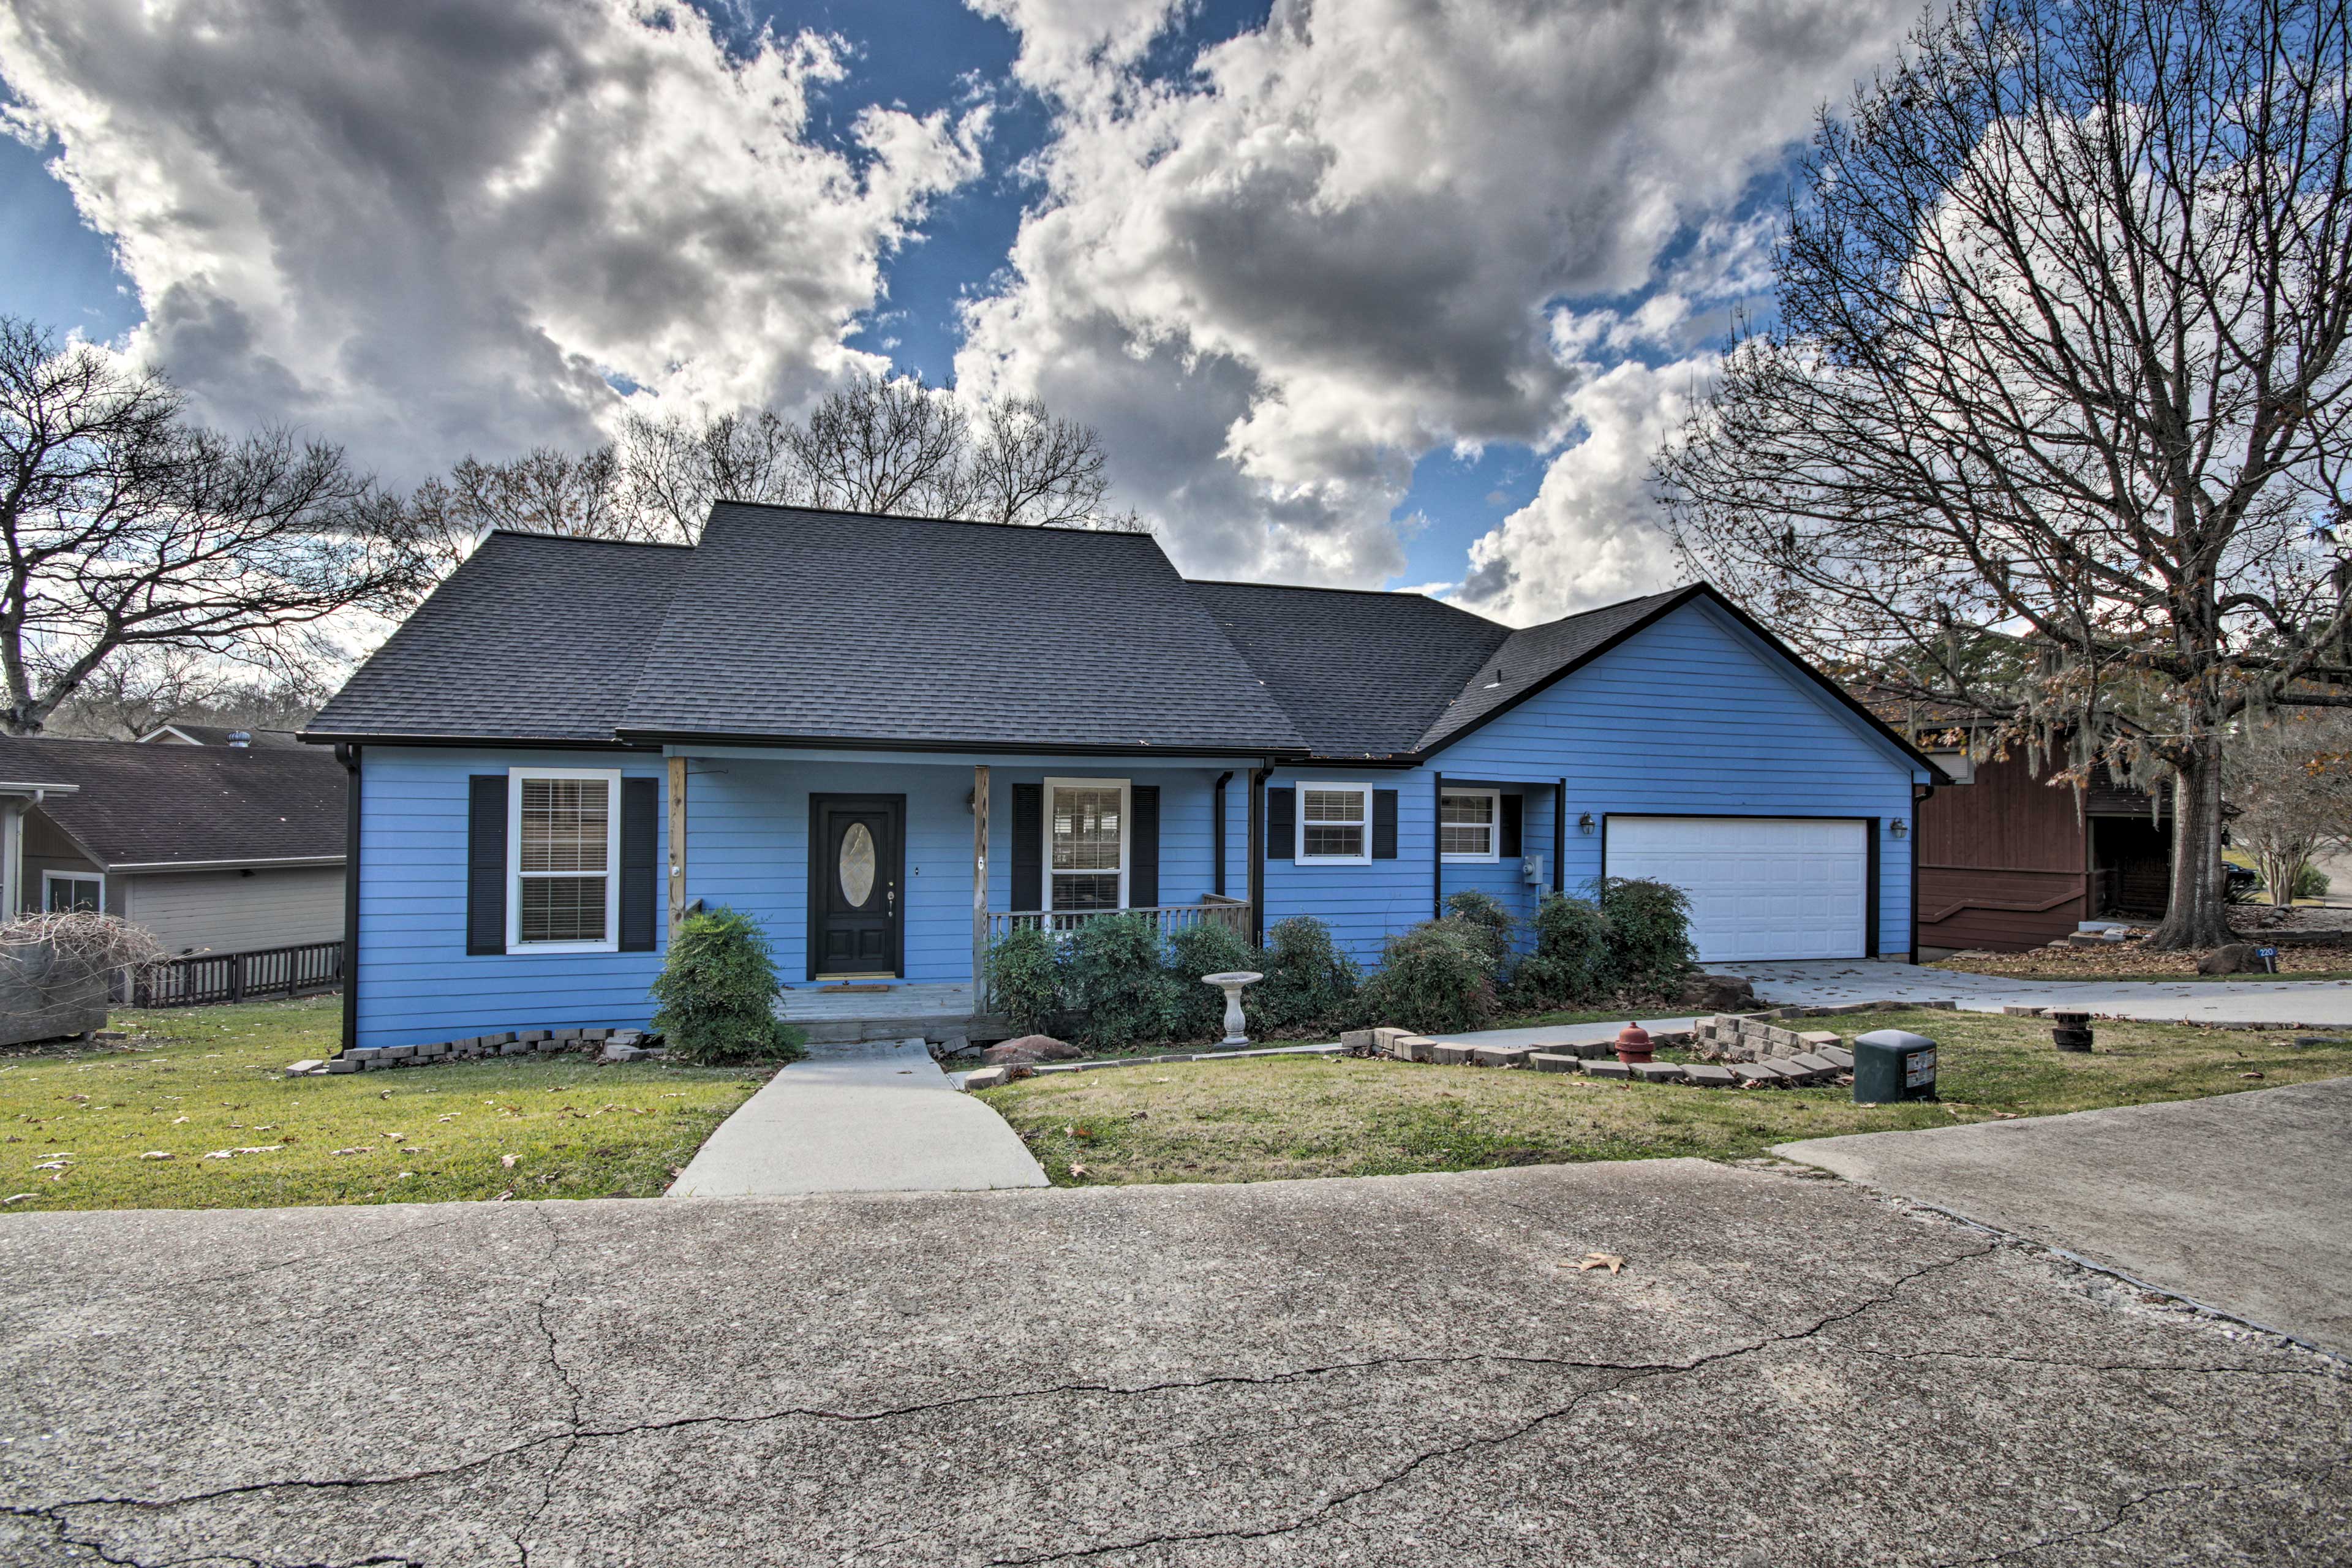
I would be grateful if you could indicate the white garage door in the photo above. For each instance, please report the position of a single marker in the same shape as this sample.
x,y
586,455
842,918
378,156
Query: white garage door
x,y
1760,887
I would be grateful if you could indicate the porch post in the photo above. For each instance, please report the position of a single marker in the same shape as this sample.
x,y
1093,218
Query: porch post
x,y
676,843
978,880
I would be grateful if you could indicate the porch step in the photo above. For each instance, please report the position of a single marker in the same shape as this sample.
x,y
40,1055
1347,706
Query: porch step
x,y
933,1027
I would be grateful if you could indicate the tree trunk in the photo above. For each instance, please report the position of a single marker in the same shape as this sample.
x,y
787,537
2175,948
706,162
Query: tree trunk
x,y
2197,915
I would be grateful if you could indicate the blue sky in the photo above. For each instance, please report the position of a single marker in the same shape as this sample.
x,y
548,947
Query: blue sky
x,y
1380,294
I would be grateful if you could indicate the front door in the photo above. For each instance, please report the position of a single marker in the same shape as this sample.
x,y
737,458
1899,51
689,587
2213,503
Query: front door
x,y
855,872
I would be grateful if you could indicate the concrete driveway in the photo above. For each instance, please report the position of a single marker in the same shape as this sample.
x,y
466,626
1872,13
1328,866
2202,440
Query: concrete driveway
x,y
2321,1004
1392,1371
2243,1201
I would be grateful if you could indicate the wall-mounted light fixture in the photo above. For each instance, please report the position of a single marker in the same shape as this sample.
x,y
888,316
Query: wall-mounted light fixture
x,y
1896,827
1584,823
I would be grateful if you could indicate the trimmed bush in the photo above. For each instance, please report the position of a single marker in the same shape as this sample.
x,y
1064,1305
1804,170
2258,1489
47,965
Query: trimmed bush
x,y
1571,965
1649,950
1491,920
1309,983
1023,979
1112,972
1211,947
1435,978
718,994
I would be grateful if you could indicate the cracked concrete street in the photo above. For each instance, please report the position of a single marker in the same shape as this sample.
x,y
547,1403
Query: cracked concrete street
x,y
1394,1370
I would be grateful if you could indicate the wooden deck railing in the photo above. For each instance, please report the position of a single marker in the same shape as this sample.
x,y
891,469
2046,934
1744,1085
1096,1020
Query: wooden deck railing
x,y
239,976
1167,920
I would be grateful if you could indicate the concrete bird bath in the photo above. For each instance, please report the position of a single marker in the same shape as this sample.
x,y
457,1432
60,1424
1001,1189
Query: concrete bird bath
x,y
1231,984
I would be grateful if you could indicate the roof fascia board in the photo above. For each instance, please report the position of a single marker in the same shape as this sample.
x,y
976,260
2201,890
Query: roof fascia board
x,y
34,792
537,743
703,745
942,758
279,862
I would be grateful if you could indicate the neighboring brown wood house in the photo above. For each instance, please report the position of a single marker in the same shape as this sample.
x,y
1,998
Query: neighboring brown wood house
x,y
2008,860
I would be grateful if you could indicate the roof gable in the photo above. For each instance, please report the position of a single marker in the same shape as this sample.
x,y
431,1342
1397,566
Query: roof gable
x,y
139,804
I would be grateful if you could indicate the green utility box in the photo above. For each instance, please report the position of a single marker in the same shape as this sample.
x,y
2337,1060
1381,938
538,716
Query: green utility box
x,y
1890,1065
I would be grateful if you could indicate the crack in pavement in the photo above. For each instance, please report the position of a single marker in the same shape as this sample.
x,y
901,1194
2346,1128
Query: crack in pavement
x,y
1632,1373
563,1374
2124,1510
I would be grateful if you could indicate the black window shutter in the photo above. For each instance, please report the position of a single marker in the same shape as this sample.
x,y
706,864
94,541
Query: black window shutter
x,y
1512,805
1143,847
1028,846
1384,802
1281,835
486,864
640,826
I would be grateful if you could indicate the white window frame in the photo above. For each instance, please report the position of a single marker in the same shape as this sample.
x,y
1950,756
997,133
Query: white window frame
x,y
1494,829
1126,838
1298,823
49,876
612,942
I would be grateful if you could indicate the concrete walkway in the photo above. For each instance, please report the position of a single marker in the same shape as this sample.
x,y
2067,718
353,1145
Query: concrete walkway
x,y
2242,1202
877,1118
2323,1004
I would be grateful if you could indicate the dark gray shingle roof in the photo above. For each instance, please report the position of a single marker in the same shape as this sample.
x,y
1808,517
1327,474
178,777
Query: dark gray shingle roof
x,y
1362,674
532,639
1533,655
806,625
143,804
218,735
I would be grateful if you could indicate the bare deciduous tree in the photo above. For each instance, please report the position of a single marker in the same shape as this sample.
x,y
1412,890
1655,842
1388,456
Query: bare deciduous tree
x,y
128,529
2060,361
2289,782
875,444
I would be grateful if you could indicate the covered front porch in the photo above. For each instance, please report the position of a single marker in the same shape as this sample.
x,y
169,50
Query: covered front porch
x,y
883,878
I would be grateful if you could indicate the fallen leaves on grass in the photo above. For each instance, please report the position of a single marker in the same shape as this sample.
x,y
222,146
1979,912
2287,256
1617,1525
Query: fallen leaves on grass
x,y
1609,1260
363,1149
157,1154
257,1149
17,1198
509,1160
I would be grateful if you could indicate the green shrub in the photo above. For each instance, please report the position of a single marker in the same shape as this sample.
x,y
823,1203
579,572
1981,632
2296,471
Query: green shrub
x,y
1571,965
2310,882
1649,950
1112,972
1024,983
1309,983
1491,920
1434,979
1212,947
718,994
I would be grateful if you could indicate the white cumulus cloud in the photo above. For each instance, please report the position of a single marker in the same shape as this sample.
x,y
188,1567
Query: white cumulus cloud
x,y
441,225
1353,236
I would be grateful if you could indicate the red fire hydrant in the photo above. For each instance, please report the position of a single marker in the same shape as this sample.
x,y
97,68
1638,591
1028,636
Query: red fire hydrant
x,y
1632,1044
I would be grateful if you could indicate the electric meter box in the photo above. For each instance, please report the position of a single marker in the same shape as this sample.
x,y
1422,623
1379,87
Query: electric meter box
x,y
1890,1065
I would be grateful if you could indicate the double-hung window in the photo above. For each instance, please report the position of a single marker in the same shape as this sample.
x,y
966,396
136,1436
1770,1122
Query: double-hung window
x,y
563,839
1335,823
1085,843
1469,825
65,890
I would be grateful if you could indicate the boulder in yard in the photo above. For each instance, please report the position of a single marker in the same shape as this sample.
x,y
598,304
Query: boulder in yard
x,y
1031,1048
1719,992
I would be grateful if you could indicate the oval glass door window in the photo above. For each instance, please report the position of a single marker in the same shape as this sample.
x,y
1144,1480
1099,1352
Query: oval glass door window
x,y
857,865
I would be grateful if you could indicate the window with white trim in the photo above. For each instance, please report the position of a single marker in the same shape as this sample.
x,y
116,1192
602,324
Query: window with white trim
x,y
1469,825
65,890
1335,823
1085,843
563,855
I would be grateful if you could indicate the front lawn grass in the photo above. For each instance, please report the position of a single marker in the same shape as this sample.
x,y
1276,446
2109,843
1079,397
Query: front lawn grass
x,y
1276,1117
194,1080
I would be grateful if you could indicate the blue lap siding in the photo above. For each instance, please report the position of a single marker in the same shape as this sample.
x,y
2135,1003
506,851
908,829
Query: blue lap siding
x,y
1692,715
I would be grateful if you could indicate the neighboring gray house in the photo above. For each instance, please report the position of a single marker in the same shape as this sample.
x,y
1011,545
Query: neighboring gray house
x,y
210,847
178,734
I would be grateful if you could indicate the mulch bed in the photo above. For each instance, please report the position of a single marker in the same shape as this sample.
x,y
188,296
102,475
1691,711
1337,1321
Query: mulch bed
x,y
2132,958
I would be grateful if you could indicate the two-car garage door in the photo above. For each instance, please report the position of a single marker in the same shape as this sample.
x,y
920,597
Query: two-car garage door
x,y
1760,887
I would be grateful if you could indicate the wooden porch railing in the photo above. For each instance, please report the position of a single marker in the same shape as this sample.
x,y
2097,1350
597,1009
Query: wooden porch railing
x,y
235,976
1167,919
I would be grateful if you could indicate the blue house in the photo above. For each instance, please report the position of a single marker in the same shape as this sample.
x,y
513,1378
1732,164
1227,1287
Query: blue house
x,y
892,738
